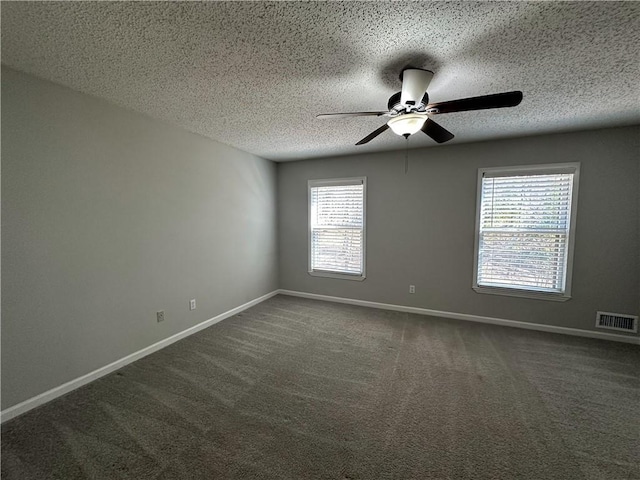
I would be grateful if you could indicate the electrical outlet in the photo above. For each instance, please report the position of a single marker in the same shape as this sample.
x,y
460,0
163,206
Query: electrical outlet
x,y
160,316
412,289
192,304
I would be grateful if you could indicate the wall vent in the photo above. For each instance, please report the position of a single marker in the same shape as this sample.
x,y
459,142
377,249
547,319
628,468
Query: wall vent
x,y
617,321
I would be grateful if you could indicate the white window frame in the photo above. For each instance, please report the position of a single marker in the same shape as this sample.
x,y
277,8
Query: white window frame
x,y
337,182
553,168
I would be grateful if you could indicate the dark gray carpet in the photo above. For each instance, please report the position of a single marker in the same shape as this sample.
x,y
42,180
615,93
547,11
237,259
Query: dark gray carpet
x,y
297,389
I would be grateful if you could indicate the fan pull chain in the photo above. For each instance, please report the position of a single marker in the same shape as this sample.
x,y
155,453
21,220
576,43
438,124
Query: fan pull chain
x,y
406,157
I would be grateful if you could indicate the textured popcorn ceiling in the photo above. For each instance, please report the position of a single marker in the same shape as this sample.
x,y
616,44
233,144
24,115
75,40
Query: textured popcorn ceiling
x,y
254,75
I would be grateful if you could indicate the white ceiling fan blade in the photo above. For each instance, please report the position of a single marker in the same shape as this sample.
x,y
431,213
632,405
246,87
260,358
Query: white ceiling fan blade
x,y
414,84
352,114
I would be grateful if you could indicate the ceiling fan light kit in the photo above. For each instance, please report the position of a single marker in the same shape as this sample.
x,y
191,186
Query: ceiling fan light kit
x,y
410,111
408,124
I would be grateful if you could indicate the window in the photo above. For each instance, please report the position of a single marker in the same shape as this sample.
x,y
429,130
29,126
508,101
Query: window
x,y
525,228
337,228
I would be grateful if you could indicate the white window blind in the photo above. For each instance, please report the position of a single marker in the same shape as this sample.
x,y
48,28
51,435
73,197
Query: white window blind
x,y
336,218
524,228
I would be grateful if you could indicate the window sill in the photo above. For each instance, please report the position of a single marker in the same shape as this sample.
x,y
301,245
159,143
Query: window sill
x,y
514,292
341,276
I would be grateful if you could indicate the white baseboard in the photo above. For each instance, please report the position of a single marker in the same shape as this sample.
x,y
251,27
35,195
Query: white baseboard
x,y
49,395
472,318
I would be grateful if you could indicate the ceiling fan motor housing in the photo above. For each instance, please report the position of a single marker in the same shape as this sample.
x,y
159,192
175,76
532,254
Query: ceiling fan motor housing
x,y
414,85
395,106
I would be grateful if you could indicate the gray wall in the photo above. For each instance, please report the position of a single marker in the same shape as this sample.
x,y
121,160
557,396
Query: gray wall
x,y
420,226
108,216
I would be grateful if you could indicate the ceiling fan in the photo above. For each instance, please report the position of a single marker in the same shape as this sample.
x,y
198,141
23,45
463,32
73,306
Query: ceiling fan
x,y
410,109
